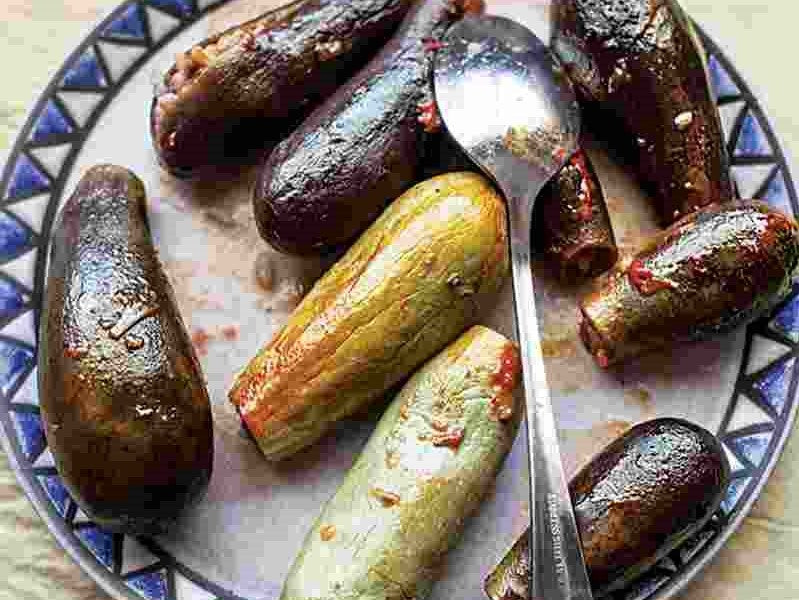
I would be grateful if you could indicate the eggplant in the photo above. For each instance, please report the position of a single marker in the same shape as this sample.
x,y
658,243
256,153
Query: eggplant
x,y
640,65
635,502
325,183
123,399
247,88
410,285
572,223
427,466
709,273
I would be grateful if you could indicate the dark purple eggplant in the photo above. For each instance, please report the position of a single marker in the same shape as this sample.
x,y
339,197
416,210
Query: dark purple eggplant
x,y
636,501
642,65
123,398
248,87
714,270
362,148
572,223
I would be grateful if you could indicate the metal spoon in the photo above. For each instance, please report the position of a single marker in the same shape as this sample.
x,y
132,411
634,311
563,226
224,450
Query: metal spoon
x,y
505,100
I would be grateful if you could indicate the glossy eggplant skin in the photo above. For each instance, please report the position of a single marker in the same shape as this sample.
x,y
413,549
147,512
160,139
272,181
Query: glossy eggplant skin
x,y
363,147
714,270
636,501
247,88
436,451
641,62
123,398
572,224
410,285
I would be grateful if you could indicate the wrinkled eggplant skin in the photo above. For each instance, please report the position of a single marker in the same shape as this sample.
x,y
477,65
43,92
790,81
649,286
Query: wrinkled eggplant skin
x,y
410,284
256,93
123,399
572,226
714,270
362,148
642,62
635,502
363,549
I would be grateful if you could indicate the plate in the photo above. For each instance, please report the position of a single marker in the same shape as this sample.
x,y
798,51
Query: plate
x,y
240,541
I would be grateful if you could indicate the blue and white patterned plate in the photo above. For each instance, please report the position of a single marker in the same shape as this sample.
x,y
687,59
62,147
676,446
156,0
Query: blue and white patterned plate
x,y
240,542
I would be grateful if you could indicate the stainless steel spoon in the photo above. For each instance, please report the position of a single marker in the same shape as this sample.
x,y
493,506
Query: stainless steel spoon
x,y
505,100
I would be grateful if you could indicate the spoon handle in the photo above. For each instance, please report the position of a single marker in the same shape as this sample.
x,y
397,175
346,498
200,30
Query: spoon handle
x,y
558,571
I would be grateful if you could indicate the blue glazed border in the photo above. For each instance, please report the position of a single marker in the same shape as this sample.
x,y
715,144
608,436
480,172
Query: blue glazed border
x,y
662,582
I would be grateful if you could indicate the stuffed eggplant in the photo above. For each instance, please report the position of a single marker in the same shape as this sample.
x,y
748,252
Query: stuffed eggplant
x,y
332,177
248,87
636,501
642,65
122,396
573,225
405,289
714,270
436,451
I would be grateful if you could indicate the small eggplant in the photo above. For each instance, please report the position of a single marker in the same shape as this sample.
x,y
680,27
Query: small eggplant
x,y
714,270
123,398
636,501
573,226
436,451
641,63
363,147
247,88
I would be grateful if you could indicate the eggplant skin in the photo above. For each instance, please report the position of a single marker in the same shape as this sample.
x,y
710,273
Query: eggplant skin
x,y
635,502
326,182
411,284
642,62
123,398
572,223
385,533
248,87
714,270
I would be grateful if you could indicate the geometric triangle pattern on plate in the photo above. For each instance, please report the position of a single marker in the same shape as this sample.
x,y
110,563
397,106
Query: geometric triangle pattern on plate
x,y
51,123
773,385
747,414
22,328
81,105
723,85
735,464
728,113
51,157
28,392
119,57
86,73
752,139
751,178
734,492
12,299
181,8
752,447
776,193
135,556
187,590
128,25
31,212
15,363
151,586
787,320
56,492
15,238
764,352
30,432
22,268
99,542
27,180
45,461
161,23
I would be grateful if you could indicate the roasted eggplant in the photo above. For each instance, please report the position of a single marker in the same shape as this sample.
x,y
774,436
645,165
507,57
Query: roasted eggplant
x,y
363,147
572,222
710,272
636,501
249,86
436,451
641,64
123,398
405,289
